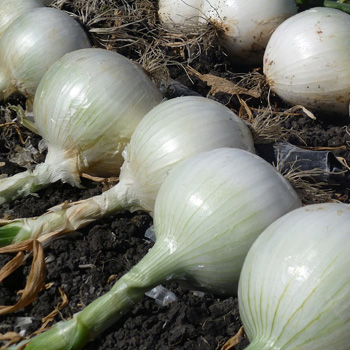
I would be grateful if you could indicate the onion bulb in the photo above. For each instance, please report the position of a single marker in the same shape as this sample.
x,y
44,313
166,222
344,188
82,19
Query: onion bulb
x,y
31,44
171,132
86,108
294,289
307,61
12,9
245,26
208,212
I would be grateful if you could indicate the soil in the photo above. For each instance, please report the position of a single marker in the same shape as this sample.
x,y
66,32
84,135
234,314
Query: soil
x,y
81,265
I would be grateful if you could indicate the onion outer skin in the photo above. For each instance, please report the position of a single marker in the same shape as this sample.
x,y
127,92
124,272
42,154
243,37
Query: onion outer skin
x,y
211,208
32,43
12,9
88,104
244,26
171,132
294,289
307,61
180,12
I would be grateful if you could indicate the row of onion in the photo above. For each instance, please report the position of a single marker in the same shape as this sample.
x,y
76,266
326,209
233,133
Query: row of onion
x,y
305,61
190,162
207,215
316,75
305,56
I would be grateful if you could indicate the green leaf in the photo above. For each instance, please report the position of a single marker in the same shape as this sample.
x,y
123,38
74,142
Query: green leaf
x,y
8,233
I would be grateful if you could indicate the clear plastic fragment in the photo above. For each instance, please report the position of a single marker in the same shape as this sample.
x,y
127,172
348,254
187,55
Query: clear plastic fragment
x,y
162,295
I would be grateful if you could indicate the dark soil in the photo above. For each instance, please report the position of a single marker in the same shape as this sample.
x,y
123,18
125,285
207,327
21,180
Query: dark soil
x,y
83,263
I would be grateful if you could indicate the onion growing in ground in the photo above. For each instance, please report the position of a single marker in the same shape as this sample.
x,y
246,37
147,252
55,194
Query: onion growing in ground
x,y
86,108
32,43
12,9
294,289
168,134
208,212
307,61
245,26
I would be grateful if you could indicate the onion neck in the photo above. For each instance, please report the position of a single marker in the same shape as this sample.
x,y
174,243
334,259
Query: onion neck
x,y
60,164
57,166
18,186
86,325
152,270
67,217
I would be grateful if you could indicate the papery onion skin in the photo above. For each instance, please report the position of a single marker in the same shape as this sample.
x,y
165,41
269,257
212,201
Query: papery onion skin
x,y
12,9
32,43
208,212
294,289
245,26
307,61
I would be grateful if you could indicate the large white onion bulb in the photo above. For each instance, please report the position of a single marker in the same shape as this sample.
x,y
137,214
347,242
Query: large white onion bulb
x,y
86,108
307,60
32,43
294,288
246,25
12,9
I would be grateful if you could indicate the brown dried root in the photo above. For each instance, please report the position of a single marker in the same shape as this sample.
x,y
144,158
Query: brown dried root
x,y
50,317
223,85
309,190
268,126
12,125
37,275
132,29
232,342
178,46
8,126
111,23
11,338
253,80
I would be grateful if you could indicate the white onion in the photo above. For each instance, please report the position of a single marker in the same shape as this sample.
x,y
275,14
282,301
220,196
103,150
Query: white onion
x,y
294,289
169,133
32,43
86,108
208,212
307,60
12,9
173,131
245,25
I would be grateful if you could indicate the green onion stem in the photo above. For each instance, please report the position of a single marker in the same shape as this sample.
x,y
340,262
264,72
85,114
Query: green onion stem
x,y
16,186
65,218
337,5
305,4
8,234
86,325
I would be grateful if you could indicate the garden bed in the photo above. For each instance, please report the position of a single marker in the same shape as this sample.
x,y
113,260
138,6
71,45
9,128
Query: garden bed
x,y
82,266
